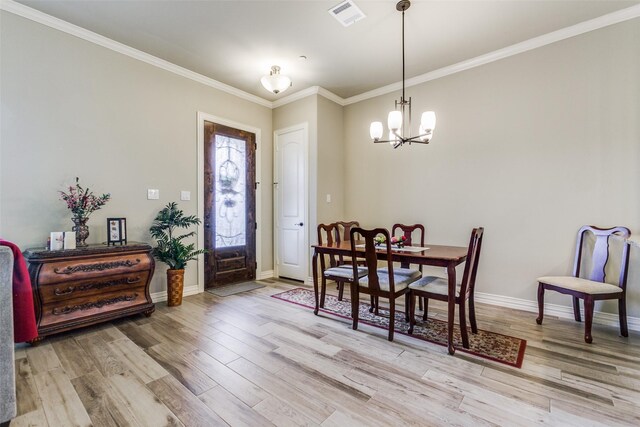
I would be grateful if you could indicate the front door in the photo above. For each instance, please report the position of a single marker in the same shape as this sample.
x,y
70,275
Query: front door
x,y
229,205
290,198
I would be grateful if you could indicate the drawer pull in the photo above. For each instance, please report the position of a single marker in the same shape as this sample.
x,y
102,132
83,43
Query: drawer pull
x,y
93,304
98,285
101,266
67,291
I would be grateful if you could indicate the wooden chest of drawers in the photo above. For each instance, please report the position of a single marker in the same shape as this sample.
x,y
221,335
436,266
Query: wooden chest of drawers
x,y
80,287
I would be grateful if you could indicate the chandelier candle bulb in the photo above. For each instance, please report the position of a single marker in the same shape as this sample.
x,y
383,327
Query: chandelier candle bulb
x,y
376,130
395,120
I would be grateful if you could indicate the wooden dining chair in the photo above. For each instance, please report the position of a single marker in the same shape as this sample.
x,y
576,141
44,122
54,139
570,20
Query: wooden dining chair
x,y
376,283
344,234
594,288
438,288
329,234
405,267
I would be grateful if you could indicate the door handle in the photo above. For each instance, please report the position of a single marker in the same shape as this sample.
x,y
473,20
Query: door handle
x,y
301,224
207,225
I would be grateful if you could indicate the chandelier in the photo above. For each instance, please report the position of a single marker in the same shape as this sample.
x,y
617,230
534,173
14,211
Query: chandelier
x,y
276,82
399,120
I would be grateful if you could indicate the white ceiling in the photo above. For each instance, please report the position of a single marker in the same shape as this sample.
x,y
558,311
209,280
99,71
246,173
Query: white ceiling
x,y
236,42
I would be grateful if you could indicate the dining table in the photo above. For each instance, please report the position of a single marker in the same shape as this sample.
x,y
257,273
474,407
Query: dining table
x,y
448,257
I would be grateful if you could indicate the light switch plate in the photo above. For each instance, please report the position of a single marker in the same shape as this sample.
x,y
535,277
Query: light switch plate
x,y
153,194
185,195
328,198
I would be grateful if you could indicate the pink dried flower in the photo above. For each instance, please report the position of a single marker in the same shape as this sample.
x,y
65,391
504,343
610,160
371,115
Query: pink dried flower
x,y
82,202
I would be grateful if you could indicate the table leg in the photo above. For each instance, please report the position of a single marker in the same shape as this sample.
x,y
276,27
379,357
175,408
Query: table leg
x,y
451,274
314,263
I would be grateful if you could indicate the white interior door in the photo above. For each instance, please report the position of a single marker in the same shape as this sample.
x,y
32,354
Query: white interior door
x,y
291,200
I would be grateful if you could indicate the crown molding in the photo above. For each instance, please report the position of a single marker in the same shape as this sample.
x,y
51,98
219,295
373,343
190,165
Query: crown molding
x,y
313,90
82,33
534,43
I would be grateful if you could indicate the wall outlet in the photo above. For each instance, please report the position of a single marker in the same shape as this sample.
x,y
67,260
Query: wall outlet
x,y
328,198
153,194
185,195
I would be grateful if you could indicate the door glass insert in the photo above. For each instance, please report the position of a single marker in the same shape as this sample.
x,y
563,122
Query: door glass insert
x,y
230,192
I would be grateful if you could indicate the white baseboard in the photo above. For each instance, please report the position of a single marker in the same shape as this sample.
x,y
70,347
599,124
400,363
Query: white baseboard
x,y
162,296
561,311
264,275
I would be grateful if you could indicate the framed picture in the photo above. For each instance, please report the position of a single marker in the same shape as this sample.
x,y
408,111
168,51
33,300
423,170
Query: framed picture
x,y
116,231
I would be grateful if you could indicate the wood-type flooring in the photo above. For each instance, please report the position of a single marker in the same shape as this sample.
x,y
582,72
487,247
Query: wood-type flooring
x,y
252,360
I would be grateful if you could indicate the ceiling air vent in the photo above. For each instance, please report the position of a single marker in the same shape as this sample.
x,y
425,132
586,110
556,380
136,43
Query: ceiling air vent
x,y
346,13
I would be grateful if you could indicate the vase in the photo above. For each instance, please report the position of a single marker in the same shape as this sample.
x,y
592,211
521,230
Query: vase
x,y
175,285
82,231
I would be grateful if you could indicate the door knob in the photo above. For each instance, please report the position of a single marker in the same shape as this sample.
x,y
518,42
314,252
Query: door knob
x,y
301,224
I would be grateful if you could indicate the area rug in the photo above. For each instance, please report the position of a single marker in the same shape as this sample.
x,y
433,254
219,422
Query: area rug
x,y
236,288
488,345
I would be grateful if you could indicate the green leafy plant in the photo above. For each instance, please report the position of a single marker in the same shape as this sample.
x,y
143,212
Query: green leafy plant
x,y
171,249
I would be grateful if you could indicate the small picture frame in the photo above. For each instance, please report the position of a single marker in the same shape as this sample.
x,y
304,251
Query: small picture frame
x,y
116,231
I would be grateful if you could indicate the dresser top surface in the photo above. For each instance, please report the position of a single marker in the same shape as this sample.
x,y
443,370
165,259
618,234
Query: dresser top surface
x,y
35,254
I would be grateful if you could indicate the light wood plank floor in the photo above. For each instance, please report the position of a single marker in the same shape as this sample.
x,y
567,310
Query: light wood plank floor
x,y
252,360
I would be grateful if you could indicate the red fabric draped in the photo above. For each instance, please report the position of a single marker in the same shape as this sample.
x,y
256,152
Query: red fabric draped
x,y
24,317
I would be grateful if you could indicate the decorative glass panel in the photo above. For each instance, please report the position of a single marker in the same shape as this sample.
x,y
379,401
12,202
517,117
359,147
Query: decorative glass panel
x,y
231,176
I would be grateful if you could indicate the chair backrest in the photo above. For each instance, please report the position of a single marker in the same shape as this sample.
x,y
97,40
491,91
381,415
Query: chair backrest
x,y
600,254
371,258
468,284
407,232
328,235
344,232
344,228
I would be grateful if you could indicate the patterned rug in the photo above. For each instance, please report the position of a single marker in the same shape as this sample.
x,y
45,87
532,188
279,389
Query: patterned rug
x,y
489,345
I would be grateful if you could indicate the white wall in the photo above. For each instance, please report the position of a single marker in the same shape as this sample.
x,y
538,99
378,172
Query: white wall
x,y
530,147
72,108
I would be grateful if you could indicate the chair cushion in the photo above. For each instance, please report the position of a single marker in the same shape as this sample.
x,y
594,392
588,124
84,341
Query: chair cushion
x,y
410,272
580,285
345,272
400,282
433,285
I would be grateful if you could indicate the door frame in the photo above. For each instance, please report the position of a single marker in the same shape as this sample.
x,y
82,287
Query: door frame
x,y
276,231
202,117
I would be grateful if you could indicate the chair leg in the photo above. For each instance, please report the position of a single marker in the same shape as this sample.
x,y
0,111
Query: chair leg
x,y
392,316
588,318
407,301
622,312
463,324
576,309
412,311
472,315
340,290
355,303
377,305
373,303
425,313
540,303
420,303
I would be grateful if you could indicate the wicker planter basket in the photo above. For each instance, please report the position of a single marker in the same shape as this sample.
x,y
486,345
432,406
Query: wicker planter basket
x,y
175,285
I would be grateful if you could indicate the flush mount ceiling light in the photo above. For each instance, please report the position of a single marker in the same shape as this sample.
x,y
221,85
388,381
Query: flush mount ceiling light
x,y
398,122
276,82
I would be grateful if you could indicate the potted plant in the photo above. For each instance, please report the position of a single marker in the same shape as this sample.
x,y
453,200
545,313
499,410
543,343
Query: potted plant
x,y
171,248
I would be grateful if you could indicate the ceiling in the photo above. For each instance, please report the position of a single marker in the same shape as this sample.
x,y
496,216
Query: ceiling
x,y
236,42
